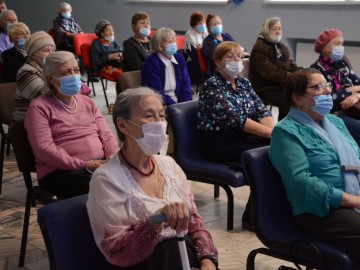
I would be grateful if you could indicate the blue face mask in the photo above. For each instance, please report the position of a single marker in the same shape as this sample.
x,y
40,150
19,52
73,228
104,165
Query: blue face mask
x,y
66,15
144,31
323,104
337,53
217,29
8,25
171,49
70,85
21,43
200,28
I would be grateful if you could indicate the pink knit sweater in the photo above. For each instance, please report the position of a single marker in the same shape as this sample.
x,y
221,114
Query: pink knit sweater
x,y
64,141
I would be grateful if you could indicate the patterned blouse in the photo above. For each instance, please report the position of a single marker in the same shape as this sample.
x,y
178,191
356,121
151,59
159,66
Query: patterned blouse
x,y
340,76
221,108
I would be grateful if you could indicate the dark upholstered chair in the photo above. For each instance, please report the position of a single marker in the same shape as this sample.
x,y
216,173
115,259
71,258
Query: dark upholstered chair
x,y
130,79
274,224
68,237
183,119
26,163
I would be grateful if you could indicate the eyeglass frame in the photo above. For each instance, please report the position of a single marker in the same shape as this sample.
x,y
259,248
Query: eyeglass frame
x,y
234,56
320,87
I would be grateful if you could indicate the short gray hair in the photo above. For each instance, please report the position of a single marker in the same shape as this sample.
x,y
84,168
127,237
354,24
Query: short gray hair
x,y
124,104
52,63
265,29
160,35
14,28
5,13
62,6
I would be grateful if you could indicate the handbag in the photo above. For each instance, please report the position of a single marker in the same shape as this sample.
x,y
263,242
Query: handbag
x,y
354,110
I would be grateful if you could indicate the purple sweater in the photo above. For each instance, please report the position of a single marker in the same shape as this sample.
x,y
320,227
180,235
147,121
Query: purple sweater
x,y
64,141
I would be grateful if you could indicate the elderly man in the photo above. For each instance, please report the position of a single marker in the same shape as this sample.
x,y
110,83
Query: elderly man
x,y
7,18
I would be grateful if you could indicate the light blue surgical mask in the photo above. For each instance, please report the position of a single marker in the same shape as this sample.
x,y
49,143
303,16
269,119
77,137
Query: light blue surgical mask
x,y
200,28
171,49
8,25
217,29
21,43
144,31
69,85
323,104
66,15
337,53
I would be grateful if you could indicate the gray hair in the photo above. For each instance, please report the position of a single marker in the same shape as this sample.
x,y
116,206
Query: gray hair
x,y
5,13
125,102
14,28
52,63
160,35
265,29
62,6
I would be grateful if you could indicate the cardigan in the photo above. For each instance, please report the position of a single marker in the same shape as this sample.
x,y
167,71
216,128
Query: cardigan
x,y
100,52
13,60
265,70
310,168
153,76
135,54
119,212
64,141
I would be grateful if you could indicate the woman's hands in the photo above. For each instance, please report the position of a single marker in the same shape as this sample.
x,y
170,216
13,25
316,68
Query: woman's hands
x,y
115,56
92,165
349,101
177,216
207,264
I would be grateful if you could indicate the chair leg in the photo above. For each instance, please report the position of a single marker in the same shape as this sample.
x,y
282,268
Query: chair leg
x,y
230,210
25,231
104,89
250,261
216,191
8,143
2,153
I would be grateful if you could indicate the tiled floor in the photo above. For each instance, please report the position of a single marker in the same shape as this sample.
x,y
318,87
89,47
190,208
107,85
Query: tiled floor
x,y
233,246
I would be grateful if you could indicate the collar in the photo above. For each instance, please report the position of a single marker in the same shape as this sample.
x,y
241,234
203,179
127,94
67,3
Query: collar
x,y
166,60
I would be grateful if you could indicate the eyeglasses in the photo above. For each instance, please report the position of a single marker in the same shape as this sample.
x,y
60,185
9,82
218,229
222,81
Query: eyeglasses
x,y
321,87
233,56
171,39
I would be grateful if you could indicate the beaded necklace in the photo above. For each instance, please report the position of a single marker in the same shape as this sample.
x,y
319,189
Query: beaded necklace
x,y
142,45
70,109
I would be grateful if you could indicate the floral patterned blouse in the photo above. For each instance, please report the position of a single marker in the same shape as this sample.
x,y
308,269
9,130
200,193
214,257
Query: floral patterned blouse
x,y
340,76
221,108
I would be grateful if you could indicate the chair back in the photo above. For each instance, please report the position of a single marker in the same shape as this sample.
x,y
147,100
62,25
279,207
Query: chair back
x,y
272,216
7,102
245,72
68,237
81,39
152,32
86,55
180,42
51,32
202,61
130,79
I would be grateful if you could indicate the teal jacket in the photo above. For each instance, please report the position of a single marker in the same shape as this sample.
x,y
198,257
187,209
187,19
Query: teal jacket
x,y
309,167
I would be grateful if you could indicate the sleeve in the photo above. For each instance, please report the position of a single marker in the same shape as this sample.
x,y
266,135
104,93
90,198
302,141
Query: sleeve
x,y
152,75
208,49
121,237
109,142
78,30
29,84
98,58
266,67
304,190
261,110
131,56
59,31
185,90
37,124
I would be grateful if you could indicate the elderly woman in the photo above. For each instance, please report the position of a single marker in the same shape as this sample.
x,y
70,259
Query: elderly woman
x,y
193,41
309,148
137,48
270,64
29,82
165,69
7,19
345,83
67,133
14,58
106,53
136,184
231,117
65,28
216,36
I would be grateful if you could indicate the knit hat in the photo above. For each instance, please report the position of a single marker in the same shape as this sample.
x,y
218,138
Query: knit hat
x,y
100,26
325,37
38,40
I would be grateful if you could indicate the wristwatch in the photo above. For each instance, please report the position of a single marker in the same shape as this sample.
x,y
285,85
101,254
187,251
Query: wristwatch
x,y
211,258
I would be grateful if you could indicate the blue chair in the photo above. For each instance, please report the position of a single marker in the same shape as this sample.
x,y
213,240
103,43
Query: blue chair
x,y
68,237
274,224
183,119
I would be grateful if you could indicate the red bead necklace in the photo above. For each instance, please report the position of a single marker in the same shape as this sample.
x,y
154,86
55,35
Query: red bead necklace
x,y
136,169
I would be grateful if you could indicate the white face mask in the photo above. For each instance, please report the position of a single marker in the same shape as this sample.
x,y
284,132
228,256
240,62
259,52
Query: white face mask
x,y
275,38
110,39
233,68
154,137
